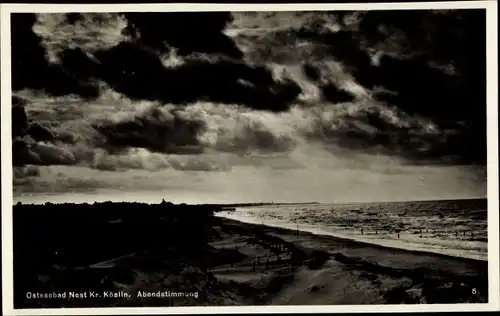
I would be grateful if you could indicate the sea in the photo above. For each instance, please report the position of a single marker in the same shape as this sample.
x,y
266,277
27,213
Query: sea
x,y
454,227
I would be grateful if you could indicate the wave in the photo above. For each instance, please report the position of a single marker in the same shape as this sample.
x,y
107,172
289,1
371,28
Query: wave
x,y
454,235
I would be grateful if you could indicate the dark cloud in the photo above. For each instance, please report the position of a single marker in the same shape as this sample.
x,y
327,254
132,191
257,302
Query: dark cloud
x,y
311,71
256,138
24,175
138,73
188,32
31,140
22,154
174,131
135,68
430,63
74,17
330,90
26,152
345,46
334,94
79,65
19,120
371,131
41,133
157,130
30,68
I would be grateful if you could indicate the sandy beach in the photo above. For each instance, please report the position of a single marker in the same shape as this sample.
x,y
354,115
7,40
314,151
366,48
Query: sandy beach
x,y
349,272
227,262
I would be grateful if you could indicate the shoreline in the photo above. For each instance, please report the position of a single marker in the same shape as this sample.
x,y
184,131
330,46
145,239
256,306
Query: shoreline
x,y
286,232
413,277
363,242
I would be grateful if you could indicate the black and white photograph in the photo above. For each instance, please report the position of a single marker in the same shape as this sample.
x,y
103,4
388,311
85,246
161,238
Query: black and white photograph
x,y
259,157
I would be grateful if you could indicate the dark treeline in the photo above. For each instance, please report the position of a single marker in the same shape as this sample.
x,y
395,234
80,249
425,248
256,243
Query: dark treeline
x,y
78,234
75,236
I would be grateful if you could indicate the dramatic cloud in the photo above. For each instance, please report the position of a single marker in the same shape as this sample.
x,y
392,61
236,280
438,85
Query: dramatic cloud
x,y
140,74
30,68
157,129
188,32
263,94
429,63
89,32
71,53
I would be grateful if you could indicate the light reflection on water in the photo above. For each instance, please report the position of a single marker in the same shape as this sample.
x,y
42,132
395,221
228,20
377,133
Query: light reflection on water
x,y
456,228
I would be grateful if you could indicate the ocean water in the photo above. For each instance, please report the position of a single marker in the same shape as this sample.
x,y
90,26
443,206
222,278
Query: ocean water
x,y
456,228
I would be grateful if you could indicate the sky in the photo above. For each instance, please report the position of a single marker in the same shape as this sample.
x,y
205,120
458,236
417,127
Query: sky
x,y
249,106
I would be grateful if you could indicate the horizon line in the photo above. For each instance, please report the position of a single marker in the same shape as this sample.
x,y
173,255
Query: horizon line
x,y
262,203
